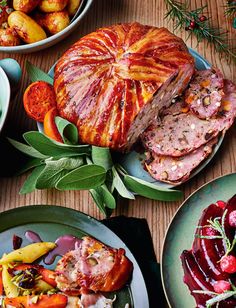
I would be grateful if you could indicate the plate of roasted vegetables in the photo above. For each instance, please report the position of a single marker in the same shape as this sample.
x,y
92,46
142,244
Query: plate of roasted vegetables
x,y
32,25
198,258
57,257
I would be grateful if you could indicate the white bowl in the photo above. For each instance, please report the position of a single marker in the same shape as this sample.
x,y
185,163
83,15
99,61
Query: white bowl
x,y
26,48
5,94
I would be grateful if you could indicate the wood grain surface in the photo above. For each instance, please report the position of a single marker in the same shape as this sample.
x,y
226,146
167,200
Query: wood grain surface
x,y
103,13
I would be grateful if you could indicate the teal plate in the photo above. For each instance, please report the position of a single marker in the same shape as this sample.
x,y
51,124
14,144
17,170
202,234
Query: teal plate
x,y
132,160
50,222
180,236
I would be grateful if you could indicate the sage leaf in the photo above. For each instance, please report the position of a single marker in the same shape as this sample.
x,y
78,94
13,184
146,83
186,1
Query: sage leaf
x,y
120,186
29,164
85,177
49,147
26,149
36,74
55,170
102,157
30,183
151,191
98,199
108,198
67,130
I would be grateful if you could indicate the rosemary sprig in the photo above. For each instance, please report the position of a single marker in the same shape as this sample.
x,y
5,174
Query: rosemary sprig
x,y
217,298
220,228
230,8
200,26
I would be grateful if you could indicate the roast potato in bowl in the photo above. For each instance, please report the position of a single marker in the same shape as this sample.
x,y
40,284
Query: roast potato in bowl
x,y
28,27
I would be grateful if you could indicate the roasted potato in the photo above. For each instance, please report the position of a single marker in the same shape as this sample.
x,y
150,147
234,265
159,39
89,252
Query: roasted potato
x,y
8,37
73,6
38,99
27,29
49,6
25,6
28,254
53,22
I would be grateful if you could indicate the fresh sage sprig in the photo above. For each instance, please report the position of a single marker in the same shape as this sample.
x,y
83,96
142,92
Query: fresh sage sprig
x,y
73,166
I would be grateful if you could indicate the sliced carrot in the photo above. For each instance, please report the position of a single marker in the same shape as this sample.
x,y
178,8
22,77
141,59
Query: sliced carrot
x,y
49,125
43,301
38,98
47,275
52,301
17,302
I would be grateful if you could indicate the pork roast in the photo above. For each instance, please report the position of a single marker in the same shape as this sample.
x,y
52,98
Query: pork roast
x,y
113,82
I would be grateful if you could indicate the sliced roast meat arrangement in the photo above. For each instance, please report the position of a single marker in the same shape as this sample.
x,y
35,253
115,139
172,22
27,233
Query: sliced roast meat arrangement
x,y
93,267
179,140
177,169
114,81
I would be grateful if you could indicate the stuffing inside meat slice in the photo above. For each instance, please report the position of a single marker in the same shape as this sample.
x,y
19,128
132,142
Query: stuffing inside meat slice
x,y
205,92
93,266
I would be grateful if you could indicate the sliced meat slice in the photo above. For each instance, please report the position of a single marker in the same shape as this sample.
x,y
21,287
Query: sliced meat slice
x,y
205,92
180,133
176,170
93,266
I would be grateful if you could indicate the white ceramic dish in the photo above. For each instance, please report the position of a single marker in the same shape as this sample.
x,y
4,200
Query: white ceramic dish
x,y
5,94
26,48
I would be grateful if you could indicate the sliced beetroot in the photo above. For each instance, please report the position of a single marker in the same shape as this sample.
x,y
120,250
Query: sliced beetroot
x,y
16,242
208,252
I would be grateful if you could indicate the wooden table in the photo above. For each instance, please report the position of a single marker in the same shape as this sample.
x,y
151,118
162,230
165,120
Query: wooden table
x,y
107,12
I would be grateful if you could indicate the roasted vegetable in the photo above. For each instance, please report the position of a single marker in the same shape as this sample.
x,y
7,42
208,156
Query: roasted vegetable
x,y
1,284
73,6
53,22
27,29
8,37
49,126
38,99
28,254
47,275
10,289
5,10
41,301
25,6
49,6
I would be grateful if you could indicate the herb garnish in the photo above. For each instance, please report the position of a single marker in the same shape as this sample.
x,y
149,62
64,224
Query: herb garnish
x,y
218,226
72,166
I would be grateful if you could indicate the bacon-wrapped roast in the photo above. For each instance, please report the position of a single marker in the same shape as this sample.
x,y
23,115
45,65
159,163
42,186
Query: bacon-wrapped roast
x,y
113,82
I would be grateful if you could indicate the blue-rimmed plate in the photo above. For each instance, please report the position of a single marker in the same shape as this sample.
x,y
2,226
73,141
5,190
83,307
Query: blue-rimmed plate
x,y
132,161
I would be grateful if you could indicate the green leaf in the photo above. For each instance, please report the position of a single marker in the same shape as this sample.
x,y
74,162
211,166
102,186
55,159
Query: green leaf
x,y
150,190
30,183
26,149
85,177
36,74
120,186
67,130
49,147
108,198
102,157
29,164
55,170
98,199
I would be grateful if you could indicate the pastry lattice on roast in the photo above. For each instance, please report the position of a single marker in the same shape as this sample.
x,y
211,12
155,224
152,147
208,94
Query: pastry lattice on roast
x,y
113,82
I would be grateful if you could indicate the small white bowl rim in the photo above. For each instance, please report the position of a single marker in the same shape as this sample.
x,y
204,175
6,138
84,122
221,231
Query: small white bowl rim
x,y
7,101
50,39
